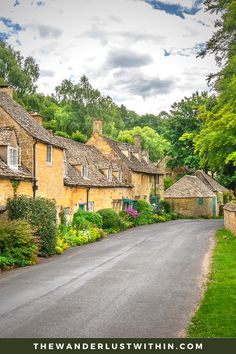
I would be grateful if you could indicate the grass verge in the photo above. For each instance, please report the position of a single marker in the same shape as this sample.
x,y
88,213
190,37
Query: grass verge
x,y
216,316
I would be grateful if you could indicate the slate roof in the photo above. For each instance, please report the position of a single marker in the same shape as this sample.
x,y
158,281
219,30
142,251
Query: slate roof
x,y
25,120
210,182
188,187
6,172
134,163
230,207
81,154
5,136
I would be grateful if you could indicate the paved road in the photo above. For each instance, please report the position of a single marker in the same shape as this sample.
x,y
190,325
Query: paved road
x,y
141,283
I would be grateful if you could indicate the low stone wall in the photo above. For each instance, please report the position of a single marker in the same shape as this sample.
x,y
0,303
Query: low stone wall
x,y
230,217
190,206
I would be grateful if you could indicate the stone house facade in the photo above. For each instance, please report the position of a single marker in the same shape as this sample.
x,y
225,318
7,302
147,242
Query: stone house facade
x,y
189,196
133,161
34,162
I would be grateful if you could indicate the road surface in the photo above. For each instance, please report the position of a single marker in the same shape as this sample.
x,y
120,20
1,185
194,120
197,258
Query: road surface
x,y
141,283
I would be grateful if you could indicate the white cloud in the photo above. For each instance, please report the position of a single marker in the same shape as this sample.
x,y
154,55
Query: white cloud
x,y
96,38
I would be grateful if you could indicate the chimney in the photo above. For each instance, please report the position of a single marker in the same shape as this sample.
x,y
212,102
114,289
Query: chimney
x,y
37,117
8,89
97,126
137,141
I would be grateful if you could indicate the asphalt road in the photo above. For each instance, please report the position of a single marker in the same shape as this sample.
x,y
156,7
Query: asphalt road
x,y
144,282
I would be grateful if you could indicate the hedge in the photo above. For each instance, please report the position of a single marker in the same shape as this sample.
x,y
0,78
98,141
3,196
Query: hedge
x,y
40,213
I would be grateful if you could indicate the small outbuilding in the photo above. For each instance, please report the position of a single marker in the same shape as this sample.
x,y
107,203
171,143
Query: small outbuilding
x,y
189,196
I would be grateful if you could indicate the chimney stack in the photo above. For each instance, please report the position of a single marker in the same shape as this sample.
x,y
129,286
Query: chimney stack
x,y
137,141
97,126
8,89
37,117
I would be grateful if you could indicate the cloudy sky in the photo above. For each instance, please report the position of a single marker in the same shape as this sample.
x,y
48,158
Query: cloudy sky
x,y
140,52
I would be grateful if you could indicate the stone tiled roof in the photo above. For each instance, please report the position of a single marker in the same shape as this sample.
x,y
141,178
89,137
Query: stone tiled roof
x,y
210,182
188,187
134,163
5,136
25,120
230,207
6,172
78,154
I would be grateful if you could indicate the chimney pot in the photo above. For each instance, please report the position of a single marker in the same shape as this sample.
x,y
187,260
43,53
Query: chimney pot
x,y
8,89
97,126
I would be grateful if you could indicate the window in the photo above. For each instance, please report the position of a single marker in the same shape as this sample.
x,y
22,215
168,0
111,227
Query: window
x,y
109,174
13,159
200,201
66,212
120,176
85,171
49,155
90,206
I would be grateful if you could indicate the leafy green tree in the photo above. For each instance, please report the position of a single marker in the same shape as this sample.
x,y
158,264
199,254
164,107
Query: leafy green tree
x,y
216,142
180,127
15,70
158,146
78,136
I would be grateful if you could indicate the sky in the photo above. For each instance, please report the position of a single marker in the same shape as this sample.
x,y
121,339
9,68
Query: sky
x,y
142,53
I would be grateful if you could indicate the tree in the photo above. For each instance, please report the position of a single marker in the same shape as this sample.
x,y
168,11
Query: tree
x,y
158,146
216,142
180,127
17,71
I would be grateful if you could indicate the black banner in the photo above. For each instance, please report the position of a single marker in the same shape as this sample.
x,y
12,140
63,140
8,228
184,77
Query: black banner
x,y
158,346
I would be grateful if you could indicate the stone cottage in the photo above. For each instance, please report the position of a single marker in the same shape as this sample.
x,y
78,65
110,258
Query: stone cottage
x,y
91,181
34,163
189,196
213,185
137,169
28,153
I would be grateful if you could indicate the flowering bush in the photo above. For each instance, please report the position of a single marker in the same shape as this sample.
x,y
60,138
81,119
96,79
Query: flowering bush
x,y
132,212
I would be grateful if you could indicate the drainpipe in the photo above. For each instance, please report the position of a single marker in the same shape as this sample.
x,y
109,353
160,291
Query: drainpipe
x,y
35,186
87,197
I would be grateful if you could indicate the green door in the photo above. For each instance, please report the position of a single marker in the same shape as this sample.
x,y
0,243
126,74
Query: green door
x,y
213,206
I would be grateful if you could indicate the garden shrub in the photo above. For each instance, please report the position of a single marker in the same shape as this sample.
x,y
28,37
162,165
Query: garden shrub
x,y
74,237
40,213
83,219
146,213
110,218
18,247
166,206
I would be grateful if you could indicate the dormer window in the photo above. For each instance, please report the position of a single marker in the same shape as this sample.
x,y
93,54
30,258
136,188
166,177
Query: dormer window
x,y
109,174
85,171
13,158
120,176
49,155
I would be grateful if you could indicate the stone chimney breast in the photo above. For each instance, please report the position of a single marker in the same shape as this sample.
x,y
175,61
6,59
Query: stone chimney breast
x,y
97,126
37,117
137,141
7,89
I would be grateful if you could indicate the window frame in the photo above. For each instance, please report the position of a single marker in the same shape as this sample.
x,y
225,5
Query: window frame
x,y
85,171
13,166
49,163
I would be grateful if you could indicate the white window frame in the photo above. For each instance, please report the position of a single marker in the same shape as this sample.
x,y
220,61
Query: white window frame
x,y
90,206
10,158
120,176
85,171
49,163
109,174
